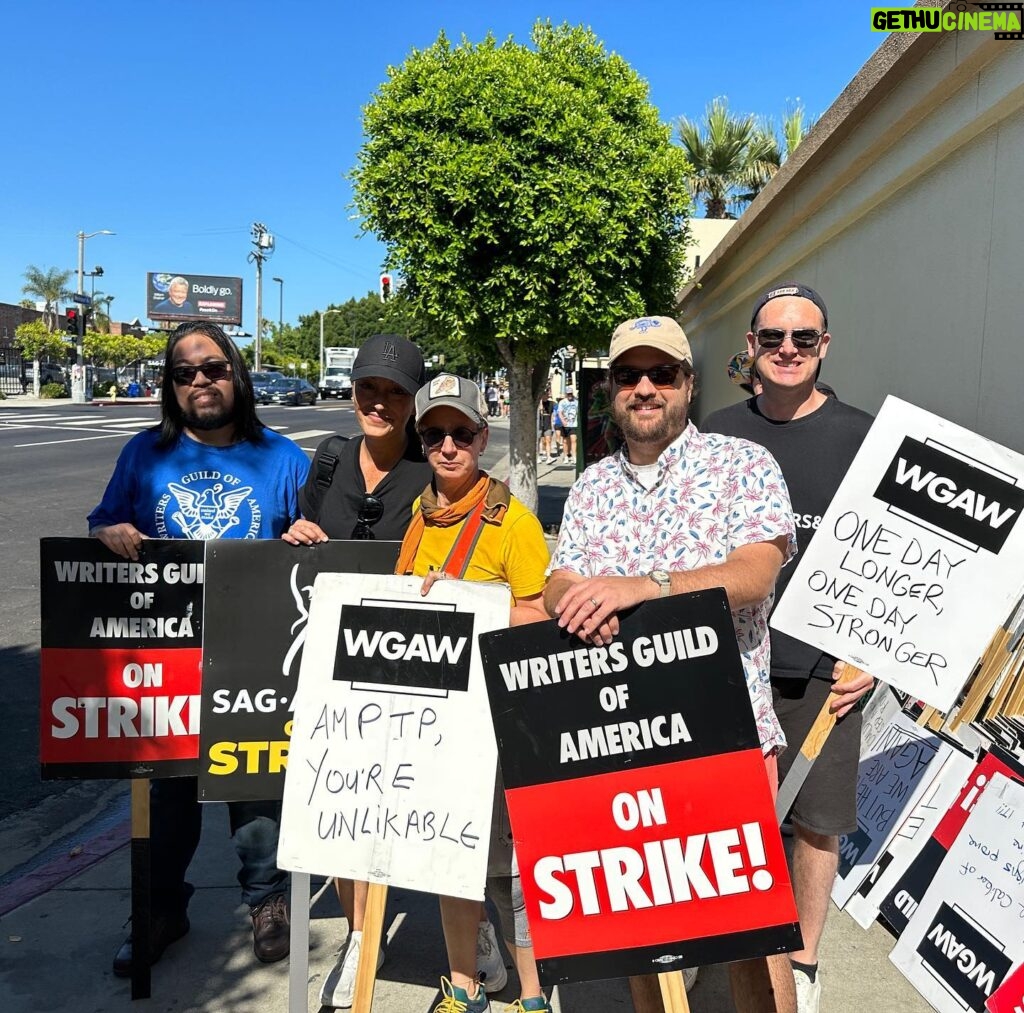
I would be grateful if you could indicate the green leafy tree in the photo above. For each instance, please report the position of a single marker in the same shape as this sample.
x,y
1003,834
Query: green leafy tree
x,y
38,341
112,349
529,197
49,287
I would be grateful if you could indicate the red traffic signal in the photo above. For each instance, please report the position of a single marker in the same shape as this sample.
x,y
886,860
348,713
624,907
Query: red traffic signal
x,y
385,287
73,321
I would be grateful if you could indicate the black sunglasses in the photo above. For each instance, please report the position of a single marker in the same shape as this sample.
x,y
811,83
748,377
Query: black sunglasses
x,y
660,376
370,511
803,337
185,376
434,436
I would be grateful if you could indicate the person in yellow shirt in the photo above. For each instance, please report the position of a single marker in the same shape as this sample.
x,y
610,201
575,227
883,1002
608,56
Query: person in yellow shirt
x,y
468,525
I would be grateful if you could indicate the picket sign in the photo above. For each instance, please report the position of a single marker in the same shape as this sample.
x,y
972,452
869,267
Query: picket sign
x,y
965,936
1009,997
892,777
908,841
389,680
673,856
918,550
249,681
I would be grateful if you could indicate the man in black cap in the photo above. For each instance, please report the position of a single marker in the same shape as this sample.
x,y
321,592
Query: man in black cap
x,y
814,438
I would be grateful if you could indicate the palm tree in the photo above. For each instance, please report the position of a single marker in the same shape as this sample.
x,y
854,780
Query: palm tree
x,y
728,156
50,287
793,131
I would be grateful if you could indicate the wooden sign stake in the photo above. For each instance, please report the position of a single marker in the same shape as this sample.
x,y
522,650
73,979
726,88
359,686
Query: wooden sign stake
x,y
141,897
373,930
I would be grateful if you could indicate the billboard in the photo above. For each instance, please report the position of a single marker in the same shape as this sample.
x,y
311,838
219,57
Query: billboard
x,y
180,297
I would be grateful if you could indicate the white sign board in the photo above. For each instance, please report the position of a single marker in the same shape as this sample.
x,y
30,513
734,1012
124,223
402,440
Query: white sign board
x,y
917,559
966,933
392,765
893,774
910,838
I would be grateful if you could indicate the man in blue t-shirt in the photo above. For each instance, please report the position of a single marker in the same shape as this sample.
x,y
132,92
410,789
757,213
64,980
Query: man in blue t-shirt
x,y
209,470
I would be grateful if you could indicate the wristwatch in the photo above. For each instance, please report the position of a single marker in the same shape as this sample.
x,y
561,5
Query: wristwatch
x,y
664,581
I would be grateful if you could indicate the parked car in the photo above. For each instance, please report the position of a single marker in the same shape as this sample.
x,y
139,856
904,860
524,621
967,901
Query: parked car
x,y
292,390
49,372
261,384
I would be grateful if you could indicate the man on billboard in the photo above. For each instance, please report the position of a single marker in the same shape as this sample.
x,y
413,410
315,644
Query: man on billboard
x,y
177,300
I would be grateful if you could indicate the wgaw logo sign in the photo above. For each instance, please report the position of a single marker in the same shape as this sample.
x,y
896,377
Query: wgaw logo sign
x,y
970,963
946,492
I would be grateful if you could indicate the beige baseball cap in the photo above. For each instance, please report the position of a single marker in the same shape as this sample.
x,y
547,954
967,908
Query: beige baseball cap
x,y
662,333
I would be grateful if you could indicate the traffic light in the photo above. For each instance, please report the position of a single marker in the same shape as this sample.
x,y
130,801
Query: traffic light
x,y
385,287
73,317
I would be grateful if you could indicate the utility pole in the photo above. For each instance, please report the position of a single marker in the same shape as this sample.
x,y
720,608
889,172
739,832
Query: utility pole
x,y
263,247
78,391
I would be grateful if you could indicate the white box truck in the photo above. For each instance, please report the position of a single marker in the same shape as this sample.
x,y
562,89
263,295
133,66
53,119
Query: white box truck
x,y
336,379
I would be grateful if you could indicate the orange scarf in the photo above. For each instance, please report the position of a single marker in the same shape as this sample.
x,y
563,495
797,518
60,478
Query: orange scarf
x,y
494,494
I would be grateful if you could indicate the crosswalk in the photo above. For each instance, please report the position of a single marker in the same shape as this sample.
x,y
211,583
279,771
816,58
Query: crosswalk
x,y
84,428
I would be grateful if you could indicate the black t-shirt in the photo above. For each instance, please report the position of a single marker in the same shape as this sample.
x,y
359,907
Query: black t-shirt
x,y
814,452
336,509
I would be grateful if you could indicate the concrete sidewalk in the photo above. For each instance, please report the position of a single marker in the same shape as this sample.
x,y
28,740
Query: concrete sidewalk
x,y
65,920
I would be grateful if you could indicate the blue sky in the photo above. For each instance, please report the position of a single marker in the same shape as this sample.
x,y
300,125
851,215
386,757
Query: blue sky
x,y
199,118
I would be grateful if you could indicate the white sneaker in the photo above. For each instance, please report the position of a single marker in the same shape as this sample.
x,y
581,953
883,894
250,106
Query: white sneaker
x,y
490,965
808,993
339,986
690,977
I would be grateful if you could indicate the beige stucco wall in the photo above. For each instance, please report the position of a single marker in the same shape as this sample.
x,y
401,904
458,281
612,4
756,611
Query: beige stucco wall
x,y
905,209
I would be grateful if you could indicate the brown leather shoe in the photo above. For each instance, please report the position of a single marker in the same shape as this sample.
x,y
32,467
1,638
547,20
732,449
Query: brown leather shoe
x,y
270,932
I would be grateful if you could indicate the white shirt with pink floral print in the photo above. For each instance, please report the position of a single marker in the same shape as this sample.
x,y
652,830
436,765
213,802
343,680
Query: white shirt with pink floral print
x,y
713,494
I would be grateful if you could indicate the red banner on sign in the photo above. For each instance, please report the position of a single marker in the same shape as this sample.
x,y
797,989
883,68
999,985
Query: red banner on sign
x,y
656,855
1009,997
119,705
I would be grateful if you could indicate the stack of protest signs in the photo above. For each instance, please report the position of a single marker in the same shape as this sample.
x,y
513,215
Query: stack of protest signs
x,y
915,575
640,806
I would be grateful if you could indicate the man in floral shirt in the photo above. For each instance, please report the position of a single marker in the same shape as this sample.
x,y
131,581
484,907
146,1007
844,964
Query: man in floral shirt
x,y
675,510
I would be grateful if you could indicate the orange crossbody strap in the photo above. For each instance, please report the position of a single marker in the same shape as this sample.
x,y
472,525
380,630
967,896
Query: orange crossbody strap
x,y
462,551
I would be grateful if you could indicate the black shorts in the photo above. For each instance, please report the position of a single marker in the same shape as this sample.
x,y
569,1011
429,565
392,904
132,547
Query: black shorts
x,y
827,803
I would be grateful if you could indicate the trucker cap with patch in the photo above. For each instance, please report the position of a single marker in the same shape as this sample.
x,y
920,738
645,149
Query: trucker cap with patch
x,y
456,392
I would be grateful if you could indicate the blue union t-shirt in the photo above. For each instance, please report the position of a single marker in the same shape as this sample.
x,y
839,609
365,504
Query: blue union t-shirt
x,y
191,490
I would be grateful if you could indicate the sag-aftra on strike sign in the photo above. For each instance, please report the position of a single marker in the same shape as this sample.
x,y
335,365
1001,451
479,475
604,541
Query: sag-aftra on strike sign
x,y
918,557
641,811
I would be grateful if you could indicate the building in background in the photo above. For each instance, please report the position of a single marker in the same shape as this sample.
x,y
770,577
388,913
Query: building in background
x,y
903,207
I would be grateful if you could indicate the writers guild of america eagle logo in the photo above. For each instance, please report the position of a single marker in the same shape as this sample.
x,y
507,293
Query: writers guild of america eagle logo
x,y
210,512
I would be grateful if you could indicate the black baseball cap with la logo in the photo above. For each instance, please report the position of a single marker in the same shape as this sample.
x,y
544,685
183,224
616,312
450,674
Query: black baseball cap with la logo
x,y
393,358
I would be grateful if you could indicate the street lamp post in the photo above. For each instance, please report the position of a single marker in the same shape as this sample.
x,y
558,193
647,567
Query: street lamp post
x,y
263,243
78,374
323,313
280,305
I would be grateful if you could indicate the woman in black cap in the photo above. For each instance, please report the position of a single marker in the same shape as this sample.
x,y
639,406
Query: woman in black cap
x,y
364,488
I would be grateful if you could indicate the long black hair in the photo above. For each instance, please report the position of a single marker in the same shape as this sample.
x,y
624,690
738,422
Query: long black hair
x,y
247,424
